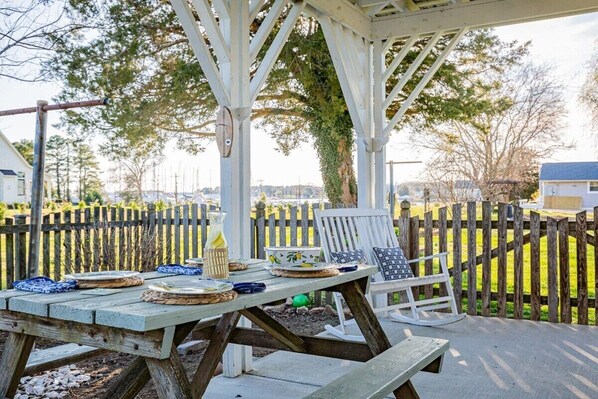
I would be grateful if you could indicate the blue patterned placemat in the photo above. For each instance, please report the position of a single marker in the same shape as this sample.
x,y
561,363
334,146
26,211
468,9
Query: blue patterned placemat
x,y
44,285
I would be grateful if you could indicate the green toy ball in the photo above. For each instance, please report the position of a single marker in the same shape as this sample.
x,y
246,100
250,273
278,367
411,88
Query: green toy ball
x,y
300,300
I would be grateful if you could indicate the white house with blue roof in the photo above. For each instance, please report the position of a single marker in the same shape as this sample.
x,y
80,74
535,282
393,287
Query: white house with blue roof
x,y
569,185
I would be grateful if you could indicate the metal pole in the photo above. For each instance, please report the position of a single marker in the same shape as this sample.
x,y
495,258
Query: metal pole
x,y
391,165
53,107
37,188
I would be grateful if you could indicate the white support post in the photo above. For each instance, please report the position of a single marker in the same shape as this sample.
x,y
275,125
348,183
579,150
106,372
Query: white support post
x,y
379,116
365,157
235,174
230,80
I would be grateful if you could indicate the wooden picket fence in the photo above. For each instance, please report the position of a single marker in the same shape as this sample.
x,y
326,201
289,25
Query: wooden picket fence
x,y
509,267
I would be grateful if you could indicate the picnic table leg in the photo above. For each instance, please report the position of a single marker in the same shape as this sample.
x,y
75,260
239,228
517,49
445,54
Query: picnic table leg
x,y
370,327
14,359
170,378
213,354
128,384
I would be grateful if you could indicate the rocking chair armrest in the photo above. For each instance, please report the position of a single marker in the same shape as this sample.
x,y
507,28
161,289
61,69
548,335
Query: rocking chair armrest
x,y
438,255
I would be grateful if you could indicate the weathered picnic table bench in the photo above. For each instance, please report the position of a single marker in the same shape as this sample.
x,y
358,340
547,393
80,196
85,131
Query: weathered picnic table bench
x,y
121,322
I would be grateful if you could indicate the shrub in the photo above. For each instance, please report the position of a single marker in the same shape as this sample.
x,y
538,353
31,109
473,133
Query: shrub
x,y
3,208
51,206
23,207
67,206
82,205
160,205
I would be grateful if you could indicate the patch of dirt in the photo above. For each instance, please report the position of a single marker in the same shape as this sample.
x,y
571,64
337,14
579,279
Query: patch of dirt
x,y
104,368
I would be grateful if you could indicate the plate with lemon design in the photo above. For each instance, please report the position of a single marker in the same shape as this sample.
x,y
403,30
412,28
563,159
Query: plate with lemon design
x,y
306,267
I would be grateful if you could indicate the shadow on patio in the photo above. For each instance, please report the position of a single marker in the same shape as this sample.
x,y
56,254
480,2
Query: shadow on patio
x,y
489,358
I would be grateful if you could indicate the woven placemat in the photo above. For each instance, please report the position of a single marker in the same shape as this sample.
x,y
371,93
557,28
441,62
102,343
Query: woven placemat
x,y
315,273
166,298
237,266
117,283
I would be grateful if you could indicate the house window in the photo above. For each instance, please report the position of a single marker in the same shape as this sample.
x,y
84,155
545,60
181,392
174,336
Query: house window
x,y
20,183
593,187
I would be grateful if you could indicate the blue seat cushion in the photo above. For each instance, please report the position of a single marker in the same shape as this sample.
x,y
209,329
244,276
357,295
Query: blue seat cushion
x,y
357,256
392,263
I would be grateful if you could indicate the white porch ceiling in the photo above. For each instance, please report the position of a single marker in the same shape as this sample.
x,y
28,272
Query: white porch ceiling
x,y
387,19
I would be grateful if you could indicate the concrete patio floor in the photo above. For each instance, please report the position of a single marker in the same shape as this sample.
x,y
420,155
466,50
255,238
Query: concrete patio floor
x,y
489,358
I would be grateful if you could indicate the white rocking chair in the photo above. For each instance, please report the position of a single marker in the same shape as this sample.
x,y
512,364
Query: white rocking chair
x,y
343,230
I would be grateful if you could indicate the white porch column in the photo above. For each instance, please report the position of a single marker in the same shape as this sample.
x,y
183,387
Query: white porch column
x,y
235,171
227,63
379,138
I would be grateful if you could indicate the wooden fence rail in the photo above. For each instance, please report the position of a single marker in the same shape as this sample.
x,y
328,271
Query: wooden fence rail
x,y
518,267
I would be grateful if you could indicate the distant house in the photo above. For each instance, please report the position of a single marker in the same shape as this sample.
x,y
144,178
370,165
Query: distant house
x,y
569,185
15,174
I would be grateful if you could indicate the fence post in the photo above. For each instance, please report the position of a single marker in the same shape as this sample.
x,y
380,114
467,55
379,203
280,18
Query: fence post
x,y
148,236
21,271
486,257
582,268
428,250
595,265
10,255
501,303
471,259
518,262
457,267
551,260
536,299
404,224
564,284
260,219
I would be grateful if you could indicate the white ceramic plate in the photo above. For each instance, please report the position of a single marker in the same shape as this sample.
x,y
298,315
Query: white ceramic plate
x,y
111,275
311,268
196,287
199,261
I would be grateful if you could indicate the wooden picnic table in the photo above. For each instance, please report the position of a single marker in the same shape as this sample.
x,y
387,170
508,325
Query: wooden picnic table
x,y
119,321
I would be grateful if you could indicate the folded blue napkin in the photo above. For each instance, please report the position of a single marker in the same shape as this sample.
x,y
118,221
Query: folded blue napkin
x,y
44,285
345,269
249,288
178,269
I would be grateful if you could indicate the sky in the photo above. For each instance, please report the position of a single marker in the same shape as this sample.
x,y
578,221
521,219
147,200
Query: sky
x,y
565,43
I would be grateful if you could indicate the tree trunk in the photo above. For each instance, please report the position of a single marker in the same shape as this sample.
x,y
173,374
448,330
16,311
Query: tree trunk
x,y
334,145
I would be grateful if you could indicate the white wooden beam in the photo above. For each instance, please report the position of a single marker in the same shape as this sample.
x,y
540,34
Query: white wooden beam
x,y
412,69
343,12
258,80
265,28
222,8
476,14
424,81
255,7
208,21
398,58
200,48
345,71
